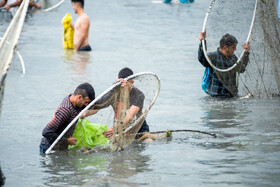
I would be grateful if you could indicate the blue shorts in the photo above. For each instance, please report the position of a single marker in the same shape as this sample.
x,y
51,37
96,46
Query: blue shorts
x,y
42,150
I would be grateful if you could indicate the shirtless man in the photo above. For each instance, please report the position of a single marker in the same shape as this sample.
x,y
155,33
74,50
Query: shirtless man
x,y
81,27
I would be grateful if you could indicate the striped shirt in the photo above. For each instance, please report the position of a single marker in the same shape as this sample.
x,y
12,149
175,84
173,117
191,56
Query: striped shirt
x,y
223,83
63,115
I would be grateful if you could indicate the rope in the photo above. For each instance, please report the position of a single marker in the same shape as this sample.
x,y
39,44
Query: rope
x,y
167,132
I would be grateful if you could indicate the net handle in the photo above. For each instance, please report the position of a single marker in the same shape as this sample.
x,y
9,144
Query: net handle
x,y
53,7
90,104
152,103
19,56
23,8
243,51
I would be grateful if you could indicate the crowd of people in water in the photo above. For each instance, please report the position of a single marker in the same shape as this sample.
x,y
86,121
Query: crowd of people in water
x,y
84,93
212,84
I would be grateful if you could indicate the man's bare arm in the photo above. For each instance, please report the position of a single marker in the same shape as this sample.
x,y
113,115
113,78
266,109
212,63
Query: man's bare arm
x,y
89,113
133,110
17,3
2,3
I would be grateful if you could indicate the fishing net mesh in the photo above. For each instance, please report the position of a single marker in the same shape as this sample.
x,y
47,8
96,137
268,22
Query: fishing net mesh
x,y
261,76
8,44
5,16
118,106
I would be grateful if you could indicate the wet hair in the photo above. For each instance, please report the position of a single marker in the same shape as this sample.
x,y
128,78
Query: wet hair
x,y
125,72
81,2
86,90
228,40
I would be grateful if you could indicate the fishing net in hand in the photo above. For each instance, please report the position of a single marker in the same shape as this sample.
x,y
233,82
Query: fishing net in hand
x,y
5,16
8,44
254,21
115,106
131,104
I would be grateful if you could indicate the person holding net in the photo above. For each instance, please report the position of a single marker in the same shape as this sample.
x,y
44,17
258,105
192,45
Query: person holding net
x,y
222,84
70,107
136,102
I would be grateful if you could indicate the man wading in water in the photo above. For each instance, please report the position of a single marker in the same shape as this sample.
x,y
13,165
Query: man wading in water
x,y
222,84
81,27
69,108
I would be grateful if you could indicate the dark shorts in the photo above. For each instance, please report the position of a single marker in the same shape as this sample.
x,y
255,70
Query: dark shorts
x,y
144,127
42,150
85,48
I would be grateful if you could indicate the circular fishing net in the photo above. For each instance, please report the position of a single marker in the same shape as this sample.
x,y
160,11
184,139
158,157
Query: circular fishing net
x,y
129,104
124,107
255,21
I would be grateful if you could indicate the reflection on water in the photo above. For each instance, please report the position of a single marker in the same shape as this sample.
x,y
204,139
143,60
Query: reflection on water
x,y
77,62
247,139
223,113
74,168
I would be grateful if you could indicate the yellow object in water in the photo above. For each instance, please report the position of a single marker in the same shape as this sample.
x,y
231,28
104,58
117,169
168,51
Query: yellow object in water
x,y
68,32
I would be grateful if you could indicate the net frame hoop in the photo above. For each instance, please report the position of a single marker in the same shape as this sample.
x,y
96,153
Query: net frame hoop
x,y
94,101
19,56
53,7
23,7
243,51
152,103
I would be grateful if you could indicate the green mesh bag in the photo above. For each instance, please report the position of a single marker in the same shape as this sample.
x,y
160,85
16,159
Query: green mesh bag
x,y
89,135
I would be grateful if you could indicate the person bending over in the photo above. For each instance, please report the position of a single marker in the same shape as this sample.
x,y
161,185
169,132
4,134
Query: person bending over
x,y
70,107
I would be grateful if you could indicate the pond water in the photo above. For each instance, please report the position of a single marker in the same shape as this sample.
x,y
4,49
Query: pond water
x,y
145,36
